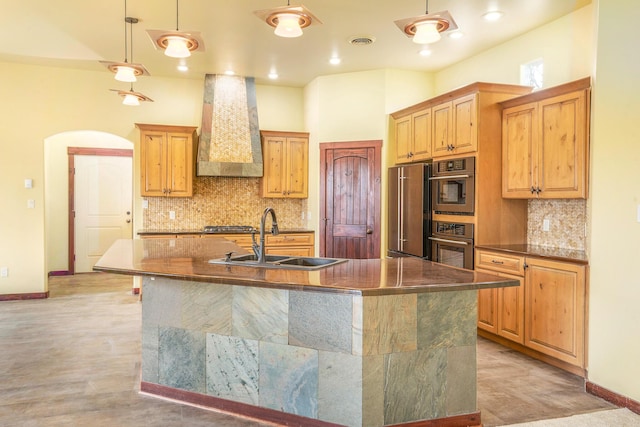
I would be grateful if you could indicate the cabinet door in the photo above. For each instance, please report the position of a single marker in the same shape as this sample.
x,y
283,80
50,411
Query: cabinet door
x,y
563,146
555,309
442,122
421,131
179,165
296,180
153,160
519,151
487,309
404,144
511,310
274,168
465,125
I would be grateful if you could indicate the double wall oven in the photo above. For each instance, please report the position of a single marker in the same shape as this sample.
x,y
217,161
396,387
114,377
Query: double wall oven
x,y
453,194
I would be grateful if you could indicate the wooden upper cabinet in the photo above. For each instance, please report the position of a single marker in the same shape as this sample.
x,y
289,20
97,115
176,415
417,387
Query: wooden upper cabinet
x,y
442,124
465,125
519,150
413,137
167,160
404,143
545,139
286,164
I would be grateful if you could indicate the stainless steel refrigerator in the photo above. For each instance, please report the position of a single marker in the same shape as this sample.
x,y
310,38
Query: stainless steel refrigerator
x,y
409,210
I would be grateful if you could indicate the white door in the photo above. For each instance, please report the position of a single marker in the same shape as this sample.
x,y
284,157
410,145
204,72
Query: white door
x,y
103,201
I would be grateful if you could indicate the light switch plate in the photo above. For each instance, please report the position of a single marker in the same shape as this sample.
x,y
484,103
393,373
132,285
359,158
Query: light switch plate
x,y
31,204
638,218
545,225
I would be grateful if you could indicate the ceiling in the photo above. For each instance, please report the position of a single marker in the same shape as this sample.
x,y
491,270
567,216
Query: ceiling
x,y
79,33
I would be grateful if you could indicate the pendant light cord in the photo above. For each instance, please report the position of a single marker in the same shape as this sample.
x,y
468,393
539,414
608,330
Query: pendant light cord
x,y
426,7
177,12
125,32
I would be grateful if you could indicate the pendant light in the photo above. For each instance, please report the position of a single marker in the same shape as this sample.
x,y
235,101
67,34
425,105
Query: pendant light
x,y
126,71
288,20
130,97
177,44
425,29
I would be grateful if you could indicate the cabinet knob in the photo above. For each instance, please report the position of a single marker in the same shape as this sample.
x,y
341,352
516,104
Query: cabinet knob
x,y
128,221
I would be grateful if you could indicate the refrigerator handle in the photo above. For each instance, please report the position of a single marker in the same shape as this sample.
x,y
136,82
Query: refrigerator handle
x,y
400,201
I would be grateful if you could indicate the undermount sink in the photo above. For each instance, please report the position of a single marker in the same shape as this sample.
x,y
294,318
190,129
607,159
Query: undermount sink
x,y
279,261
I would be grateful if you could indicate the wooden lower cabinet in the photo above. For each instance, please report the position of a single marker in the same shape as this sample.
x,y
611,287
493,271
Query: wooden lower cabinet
x,y
487,309
294,244
555,309
546,313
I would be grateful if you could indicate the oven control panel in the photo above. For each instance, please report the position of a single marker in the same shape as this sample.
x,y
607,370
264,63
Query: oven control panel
x,y
453,229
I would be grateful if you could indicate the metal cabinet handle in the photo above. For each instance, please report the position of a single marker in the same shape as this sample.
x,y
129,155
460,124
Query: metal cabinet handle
x,y
497,262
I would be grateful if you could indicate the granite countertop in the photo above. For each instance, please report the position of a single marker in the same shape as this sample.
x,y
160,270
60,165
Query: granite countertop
x,y
558,254
200,231
187,259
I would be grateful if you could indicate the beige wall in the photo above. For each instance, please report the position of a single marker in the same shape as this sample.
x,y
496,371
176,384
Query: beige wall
x,y
614,318
565,45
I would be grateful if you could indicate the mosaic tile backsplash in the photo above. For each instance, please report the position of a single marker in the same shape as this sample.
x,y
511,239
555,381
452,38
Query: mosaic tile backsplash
x,y
567,223
221,201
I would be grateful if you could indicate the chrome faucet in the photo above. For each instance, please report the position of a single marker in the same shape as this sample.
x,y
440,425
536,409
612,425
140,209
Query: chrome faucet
x,y
259,250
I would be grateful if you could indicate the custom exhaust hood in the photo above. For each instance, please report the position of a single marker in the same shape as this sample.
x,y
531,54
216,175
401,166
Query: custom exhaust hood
x,y
229,143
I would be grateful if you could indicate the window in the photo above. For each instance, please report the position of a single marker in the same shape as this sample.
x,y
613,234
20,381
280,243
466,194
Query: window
x,y
531,73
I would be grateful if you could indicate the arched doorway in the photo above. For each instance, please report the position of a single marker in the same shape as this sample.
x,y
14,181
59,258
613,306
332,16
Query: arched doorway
x,y
57,189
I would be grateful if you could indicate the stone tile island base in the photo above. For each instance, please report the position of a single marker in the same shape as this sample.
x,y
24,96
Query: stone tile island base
x,y
312,358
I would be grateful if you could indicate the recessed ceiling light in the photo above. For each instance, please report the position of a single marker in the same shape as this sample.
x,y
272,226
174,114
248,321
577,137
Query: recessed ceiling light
x,y
183,67
273,75
334,60
493,15
456,35
229,73
425,52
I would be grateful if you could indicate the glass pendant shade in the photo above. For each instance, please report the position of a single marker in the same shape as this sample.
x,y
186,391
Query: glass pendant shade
x,y
426,32
125,74
288,25
130,99
177,48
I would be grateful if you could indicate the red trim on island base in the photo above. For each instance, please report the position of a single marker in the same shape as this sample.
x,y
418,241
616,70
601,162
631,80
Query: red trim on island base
x,y
21,297
282,418
615,398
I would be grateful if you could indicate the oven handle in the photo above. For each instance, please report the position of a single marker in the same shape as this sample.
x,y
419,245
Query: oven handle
x,y
455,242
449,177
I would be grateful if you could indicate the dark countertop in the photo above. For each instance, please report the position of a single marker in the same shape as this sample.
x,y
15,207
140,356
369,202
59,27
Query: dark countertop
x,y
180,232
187,259
558,254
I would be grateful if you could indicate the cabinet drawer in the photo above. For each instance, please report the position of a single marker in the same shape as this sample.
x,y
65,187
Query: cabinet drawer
x,y
500,262
289,239
243,240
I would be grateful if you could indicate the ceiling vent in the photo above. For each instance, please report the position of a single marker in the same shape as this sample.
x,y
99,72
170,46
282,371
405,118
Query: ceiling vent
x,y
362,40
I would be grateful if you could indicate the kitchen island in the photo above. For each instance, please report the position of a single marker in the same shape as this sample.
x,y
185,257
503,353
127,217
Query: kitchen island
x,y
362,343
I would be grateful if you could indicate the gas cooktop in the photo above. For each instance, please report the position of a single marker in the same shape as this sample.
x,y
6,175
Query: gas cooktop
x,y
228,229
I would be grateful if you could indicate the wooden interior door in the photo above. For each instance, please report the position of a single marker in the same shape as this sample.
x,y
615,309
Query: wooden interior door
x,y
350,199
100,203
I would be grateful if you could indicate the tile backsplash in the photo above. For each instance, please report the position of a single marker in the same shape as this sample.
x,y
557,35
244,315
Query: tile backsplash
x,y
567,223
221,201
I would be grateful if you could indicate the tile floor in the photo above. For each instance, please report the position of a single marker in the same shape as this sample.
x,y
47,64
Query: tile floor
x,y
73,360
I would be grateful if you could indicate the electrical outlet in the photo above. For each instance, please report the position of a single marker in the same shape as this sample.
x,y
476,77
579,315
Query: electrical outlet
x,y
4,272
638,217
545,225
31,204
145,204
172,214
